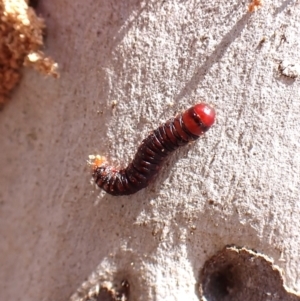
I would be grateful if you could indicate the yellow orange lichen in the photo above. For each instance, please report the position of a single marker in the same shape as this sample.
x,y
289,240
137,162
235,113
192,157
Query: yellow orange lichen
x,y
21,38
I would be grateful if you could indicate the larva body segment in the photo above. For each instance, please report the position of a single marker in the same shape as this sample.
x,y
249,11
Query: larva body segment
x,y
176,132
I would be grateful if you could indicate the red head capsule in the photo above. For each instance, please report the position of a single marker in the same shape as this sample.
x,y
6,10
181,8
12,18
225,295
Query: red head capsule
x,y
199,118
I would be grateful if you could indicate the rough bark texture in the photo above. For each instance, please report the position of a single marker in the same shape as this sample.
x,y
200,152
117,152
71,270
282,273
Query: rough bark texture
x,y
125,67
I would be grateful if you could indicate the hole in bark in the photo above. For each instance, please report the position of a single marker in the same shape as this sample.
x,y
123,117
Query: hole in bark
x,y
222,283
239,274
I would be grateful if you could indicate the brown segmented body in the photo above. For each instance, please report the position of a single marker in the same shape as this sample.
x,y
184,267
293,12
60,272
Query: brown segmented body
x,y
152,152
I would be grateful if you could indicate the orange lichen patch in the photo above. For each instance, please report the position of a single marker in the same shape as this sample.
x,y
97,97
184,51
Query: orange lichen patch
x,y
96,161
39,62
21,38
254,5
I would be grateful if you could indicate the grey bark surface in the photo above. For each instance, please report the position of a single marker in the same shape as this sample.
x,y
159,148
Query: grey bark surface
x,y
126,67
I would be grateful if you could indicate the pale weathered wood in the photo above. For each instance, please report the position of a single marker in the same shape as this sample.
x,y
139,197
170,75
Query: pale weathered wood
x,y
125,67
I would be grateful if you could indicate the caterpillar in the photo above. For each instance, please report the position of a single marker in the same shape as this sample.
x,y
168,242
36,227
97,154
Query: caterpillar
x,y
153,151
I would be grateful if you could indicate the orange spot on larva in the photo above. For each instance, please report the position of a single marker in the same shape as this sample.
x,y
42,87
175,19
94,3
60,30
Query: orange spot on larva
x,y
97,161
